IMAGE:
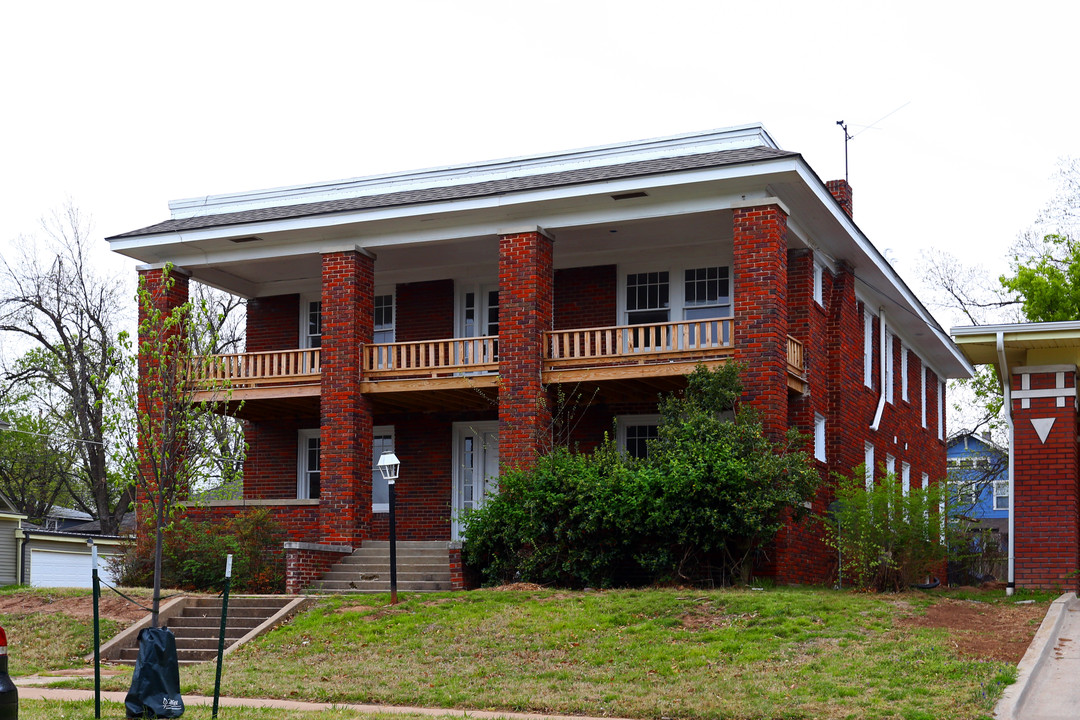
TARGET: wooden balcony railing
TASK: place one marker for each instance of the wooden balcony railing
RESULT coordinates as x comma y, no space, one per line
689,339
430,358
795,357
258,368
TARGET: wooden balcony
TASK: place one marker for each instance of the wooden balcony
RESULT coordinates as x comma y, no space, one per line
463,372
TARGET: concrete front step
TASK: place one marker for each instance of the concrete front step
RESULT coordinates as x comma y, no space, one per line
384,574
380,586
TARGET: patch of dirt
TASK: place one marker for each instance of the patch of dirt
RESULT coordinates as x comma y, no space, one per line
988,631
110,608
519,587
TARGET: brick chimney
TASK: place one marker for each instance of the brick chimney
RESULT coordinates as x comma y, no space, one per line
842,192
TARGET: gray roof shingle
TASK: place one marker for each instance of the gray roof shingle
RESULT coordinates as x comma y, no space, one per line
471,190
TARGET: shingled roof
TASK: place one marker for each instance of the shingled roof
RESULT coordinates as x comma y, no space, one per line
469,190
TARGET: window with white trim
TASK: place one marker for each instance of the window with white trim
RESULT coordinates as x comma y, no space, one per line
922,397
890,466
382,440
905,478
868,461
307,465
819,437
904,395
633,433
868,349
384,319
890,384
940,411
1001,494
311,323
925,481
819,285
648,298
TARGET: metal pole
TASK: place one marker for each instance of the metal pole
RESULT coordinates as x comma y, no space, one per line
97,628
221,637
393,547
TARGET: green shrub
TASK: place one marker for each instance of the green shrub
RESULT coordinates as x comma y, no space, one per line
193,558
886,540
711,492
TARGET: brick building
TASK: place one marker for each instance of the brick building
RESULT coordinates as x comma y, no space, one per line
1036,364
441,313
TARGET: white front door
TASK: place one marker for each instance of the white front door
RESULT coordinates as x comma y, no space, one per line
476,468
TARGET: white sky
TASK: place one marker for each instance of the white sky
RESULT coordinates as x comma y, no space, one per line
123,106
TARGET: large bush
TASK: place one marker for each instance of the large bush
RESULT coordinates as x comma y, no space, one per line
710,494
193,557
886,539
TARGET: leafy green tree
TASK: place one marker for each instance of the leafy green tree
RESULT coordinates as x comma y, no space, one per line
35,463
1048,284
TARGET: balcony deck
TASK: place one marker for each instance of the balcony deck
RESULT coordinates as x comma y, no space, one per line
462,373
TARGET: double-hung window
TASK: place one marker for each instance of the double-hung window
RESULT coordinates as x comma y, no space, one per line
648,298
633,433
307,466
311,324
384,319
690,294
1001,494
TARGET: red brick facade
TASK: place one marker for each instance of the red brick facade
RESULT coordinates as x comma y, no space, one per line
273,323
1045,477
525,313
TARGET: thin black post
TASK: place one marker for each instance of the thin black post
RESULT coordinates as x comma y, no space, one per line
97,628
393,547
221,636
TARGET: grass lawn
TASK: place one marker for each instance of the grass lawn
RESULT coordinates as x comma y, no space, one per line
679,653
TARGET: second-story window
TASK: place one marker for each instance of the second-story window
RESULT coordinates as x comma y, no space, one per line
384,319
648,298
311,324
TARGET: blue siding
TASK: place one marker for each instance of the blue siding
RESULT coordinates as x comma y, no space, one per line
975,447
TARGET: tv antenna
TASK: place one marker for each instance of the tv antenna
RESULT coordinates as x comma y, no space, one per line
847,138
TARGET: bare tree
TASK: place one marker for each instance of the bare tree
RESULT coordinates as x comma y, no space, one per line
70,314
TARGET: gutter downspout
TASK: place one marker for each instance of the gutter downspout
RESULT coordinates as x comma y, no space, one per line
1006,386
881,400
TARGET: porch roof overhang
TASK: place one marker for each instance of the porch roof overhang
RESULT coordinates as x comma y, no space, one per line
1025,344
270,242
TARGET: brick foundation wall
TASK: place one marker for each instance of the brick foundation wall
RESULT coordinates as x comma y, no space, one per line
348,317
586,297
425,311
273,323
525,312
271,464
304,566
1046,480
761,311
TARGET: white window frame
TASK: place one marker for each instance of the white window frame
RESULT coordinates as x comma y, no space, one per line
922,397
1001,492
376,474
677,287
303,489
481,290
868,460
904,394
819,284
890,380
622,422
905,478
890,465
925,480
819,437
305,311
940,410
868,349
392,327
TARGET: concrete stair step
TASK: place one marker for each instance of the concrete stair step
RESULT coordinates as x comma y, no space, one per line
382,586
411,544
214,622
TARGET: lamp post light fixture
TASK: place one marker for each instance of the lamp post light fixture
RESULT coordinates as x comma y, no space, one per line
390,467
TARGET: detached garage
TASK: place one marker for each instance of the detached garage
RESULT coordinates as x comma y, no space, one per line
57,559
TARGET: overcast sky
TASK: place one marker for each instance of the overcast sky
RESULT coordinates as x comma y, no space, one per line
122,107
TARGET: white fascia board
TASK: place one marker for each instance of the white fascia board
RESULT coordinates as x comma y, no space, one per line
914,304
130,246
1021,331
744,136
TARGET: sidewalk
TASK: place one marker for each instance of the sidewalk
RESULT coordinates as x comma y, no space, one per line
29,691
1046,686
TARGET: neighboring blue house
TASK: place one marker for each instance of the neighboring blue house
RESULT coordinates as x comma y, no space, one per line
979,479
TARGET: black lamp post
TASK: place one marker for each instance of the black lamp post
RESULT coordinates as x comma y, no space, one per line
390,467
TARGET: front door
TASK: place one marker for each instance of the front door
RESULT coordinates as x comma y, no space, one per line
476,468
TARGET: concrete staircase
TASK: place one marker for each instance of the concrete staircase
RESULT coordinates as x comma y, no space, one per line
422,567
198,623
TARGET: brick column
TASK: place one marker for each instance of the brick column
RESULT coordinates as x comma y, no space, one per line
166,299
843,443
1046,466
761,311
525,312
348,319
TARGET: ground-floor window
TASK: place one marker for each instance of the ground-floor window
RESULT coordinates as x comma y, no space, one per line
633,433
382,440
307,466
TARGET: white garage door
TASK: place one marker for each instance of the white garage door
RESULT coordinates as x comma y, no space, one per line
49,568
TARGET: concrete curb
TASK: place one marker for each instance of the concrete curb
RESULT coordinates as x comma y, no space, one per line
1016,695
39,693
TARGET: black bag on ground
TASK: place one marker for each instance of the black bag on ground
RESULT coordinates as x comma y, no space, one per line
155,685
